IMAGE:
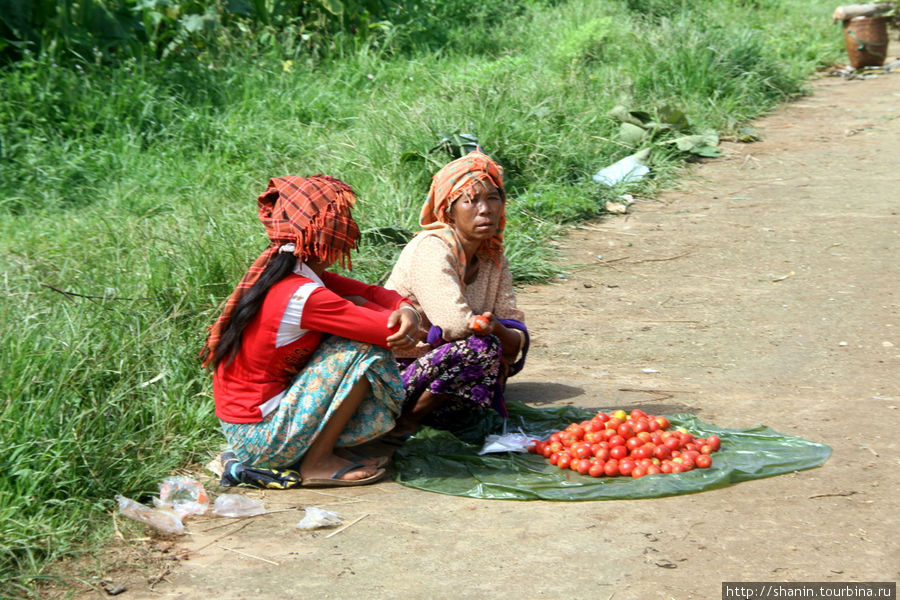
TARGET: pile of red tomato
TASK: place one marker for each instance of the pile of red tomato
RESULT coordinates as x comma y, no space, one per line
631,444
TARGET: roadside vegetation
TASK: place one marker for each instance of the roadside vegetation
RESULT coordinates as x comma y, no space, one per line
135,137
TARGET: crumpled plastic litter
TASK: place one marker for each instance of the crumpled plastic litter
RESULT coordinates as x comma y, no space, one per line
184,495
159,518
236,505
626,170
506,442
318,517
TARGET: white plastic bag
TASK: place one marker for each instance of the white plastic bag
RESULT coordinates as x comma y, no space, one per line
184,495
158,518
627,169
236,505
507,442
318,517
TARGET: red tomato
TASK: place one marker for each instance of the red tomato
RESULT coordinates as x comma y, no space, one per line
642,425
616,440
626,466
480,324
641,452
554,438
618,452
714,442
653,470
611,468
673,443
705,449
582,450
639,471
625,430
633,443
577,431
584,465
645,436
602,454
663,422
548,450
638,414
597,469
613,423
602,417
662,453
654,425
554,457
677,468
704,461
666,466
564,460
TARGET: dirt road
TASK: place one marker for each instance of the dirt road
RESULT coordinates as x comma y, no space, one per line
765,291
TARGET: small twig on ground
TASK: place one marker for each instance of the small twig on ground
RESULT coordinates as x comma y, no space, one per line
661,259
648,391
221,536
271,562
347,526
833,495
344,498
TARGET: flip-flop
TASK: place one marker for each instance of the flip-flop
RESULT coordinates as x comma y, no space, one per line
356,455
336,481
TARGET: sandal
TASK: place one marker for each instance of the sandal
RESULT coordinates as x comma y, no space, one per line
235,472
357,456
336,481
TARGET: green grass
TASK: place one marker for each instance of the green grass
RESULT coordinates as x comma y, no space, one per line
133,189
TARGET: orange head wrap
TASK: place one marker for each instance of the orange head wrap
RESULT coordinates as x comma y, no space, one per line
461,178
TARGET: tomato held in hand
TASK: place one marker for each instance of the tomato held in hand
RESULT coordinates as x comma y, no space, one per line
480,324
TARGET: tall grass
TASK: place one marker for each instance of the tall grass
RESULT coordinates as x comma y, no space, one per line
127,206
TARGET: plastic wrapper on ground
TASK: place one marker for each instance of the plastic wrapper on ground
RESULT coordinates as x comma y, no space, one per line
159,518
316,518
236,505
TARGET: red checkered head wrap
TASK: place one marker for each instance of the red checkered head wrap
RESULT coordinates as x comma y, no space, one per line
312,213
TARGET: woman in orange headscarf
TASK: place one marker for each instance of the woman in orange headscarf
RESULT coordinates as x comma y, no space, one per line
286,393
456,275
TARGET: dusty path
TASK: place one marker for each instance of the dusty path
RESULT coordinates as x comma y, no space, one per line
767,290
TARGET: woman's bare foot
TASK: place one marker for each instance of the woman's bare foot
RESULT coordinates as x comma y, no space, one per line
327,467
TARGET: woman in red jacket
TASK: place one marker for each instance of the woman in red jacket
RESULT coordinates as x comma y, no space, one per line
289,395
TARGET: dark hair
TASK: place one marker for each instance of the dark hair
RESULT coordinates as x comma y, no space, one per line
279,267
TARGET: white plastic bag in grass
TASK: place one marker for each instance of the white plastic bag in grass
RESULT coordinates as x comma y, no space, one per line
158,518
318,517
627,169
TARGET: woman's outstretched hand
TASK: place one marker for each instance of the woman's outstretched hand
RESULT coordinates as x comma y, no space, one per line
407,322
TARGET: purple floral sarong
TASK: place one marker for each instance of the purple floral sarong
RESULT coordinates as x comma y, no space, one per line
466,370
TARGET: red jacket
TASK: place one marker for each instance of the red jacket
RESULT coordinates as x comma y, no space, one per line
249,387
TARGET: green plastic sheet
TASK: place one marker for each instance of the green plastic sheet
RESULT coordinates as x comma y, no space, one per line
448,462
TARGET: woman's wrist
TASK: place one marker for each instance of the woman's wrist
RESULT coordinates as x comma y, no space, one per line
413,310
